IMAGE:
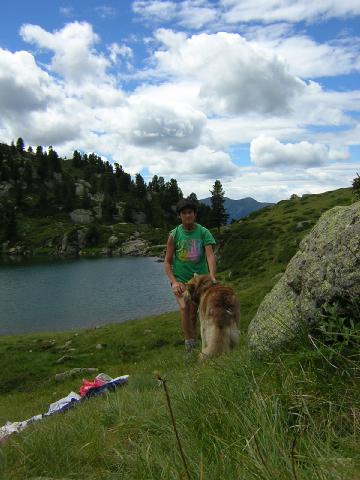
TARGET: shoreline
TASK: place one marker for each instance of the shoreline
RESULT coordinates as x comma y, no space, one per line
81,330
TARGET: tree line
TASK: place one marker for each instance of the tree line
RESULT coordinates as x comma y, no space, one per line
41,183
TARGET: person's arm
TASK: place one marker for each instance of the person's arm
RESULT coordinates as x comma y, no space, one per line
177,287
210,257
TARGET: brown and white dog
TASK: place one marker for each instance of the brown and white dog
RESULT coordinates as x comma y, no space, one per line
219,314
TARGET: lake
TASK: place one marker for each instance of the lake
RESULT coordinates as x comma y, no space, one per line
54,295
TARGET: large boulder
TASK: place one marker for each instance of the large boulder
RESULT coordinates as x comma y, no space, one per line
325,269
135,247
82,216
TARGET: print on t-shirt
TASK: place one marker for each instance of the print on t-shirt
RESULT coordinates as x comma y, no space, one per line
190,250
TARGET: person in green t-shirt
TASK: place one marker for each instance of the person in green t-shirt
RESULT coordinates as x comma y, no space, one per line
189,250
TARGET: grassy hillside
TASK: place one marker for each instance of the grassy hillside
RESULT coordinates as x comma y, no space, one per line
295,417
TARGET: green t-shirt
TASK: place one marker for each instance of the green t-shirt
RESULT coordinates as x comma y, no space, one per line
189,256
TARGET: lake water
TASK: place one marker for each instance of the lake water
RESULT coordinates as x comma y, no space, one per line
55,295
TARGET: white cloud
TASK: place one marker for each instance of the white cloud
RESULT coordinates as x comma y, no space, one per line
74,57
23,85
268,11
193,14
155,9
235,76
176,128
269,152
202,163
196,13
275,185
117,50
304,56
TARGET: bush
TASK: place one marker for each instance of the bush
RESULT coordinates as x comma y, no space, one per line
356,186
339,328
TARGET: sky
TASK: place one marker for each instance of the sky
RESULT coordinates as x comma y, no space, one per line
262,95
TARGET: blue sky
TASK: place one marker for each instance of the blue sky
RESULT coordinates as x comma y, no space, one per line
269,102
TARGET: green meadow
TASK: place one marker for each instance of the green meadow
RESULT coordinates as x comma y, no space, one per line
295,416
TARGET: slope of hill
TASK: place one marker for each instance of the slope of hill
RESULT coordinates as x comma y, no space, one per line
237,209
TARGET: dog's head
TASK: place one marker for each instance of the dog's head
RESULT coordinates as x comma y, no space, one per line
196,287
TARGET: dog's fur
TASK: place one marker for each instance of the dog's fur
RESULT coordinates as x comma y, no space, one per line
219,314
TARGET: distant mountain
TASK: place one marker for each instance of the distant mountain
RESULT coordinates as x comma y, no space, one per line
239,208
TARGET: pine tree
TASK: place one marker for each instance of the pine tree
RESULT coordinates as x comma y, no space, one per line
76,160
140,186
54,160
8,225
20,145
219,215
204,212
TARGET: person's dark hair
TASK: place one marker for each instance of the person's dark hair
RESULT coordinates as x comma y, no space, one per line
186,203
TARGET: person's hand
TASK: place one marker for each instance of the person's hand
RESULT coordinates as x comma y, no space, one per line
178,288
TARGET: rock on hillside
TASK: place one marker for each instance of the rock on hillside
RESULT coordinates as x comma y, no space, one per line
326,268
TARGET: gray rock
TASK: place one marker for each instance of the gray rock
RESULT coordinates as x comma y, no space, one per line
97,197
64,359
326,268
98,211
65,346
19,250
120,207
69,247
138,217
73,372
112,241
135,247
82,237
80,190
82,216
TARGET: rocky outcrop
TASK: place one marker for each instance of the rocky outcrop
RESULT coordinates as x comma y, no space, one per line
81,188
69,246
120,207
19,250
325,269
135,247
113,241
82,216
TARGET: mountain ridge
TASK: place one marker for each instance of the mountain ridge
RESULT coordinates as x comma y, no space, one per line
240,208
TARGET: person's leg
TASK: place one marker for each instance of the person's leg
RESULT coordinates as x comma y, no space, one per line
187,317
188,324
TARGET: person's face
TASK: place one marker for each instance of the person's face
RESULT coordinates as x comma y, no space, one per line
187,216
